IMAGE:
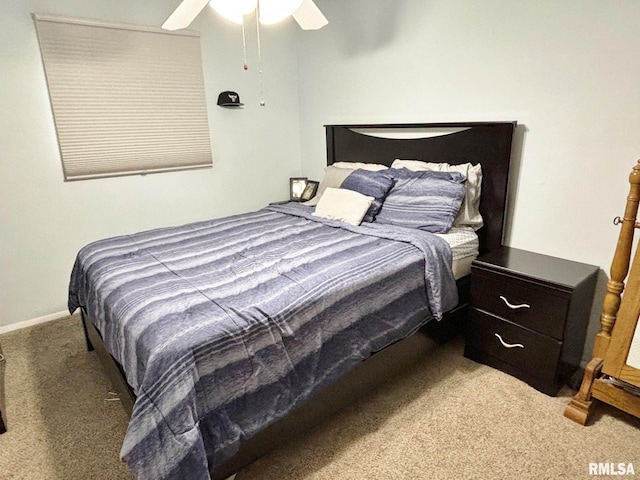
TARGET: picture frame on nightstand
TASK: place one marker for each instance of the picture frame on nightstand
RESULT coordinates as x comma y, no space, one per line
296,188
310,190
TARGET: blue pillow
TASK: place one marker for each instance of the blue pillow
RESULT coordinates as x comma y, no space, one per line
426,200
371,184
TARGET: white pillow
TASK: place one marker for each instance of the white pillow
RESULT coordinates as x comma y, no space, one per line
333,178
335,174
469,213
374,167
343,205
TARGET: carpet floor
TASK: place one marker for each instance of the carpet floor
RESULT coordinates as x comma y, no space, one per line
444,418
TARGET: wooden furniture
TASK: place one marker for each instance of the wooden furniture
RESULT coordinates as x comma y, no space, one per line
608,377
487,143
3,411
529,315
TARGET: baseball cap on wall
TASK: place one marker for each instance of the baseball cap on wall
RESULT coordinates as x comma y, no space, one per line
229,99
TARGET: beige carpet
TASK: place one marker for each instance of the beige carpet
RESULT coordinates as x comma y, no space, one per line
60,423
445,418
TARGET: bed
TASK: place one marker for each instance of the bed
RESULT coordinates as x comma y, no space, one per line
275,308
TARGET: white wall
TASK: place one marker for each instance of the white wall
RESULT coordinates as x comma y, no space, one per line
567,71
44,220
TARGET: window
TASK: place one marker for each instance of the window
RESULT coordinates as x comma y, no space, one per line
125,100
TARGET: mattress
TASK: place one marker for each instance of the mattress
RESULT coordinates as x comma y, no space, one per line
464,248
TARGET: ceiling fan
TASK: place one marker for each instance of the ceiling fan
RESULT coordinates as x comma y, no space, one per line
305,12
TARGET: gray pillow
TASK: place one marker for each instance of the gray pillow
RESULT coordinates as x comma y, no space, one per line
426,200
371,184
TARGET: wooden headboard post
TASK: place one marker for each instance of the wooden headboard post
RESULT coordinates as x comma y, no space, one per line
487,143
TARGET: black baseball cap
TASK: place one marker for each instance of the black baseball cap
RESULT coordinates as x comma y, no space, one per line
229,99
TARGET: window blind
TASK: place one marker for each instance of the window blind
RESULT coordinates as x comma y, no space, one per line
125,100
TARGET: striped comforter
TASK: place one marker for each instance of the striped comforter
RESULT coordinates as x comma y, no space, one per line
224,326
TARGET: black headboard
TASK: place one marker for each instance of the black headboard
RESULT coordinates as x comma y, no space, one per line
487,143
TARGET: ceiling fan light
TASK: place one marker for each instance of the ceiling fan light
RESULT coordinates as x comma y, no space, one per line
274,11
233,10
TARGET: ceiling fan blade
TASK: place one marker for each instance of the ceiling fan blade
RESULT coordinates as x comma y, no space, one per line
309,16
184,14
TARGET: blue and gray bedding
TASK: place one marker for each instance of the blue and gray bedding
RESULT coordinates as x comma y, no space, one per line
224,326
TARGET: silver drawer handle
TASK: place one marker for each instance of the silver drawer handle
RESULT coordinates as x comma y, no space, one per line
508,345
512,306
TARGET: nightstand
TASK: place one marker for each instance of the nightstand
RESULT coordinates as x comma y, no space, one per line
529,315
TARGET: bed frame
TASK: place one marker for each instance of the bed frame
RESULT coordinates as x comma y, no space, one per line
488,143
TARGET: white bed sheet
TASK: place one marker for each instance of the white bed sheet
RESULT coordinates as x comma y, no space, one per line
464,246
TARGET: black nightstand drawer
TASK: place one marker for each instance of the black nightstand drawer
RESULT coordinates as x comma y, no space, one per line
520,302
526,350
